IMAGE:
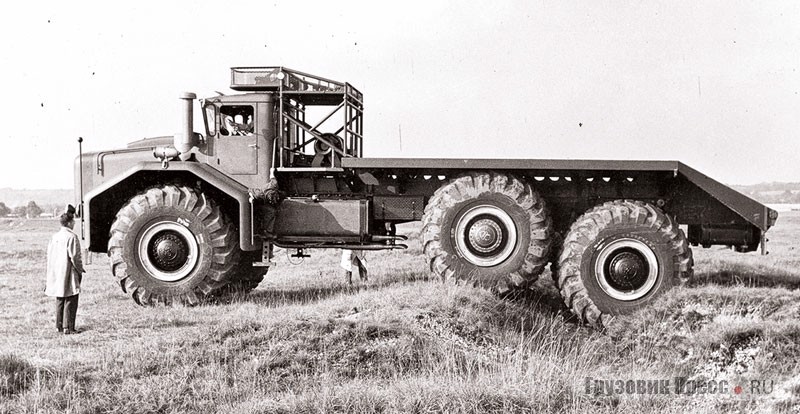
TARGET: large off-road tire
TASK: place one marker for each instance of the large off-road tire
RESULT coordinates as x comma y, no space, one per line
487,228
620,256
172,244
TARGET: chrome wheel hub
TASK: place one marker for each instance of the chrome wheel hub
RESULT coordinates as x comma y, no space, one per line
485,235
168,251
626,269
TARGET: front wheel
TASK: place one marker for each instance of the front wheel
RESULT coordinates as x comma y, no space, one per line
172,244
619,257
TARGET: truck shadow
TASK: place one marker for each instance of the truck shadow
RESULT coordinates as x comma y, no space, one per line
749,277
542,299
299,296
309,294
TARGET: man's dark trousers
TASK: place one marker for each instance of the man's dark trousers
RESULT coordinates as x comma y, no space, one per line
66,308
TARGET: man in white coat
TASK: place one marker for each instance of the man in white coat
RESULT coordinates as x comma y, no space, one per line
352,260
64,273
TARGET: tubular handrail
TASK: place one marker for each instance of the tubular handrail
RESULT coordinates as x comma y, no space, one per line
315,134
296,92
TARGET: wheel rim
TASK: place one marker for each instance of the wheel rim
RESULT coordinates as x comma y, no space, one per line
626,269
168,251
485,235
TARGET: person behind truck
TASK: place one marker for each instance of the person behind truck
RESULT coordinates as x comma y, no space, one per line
65,272
352,259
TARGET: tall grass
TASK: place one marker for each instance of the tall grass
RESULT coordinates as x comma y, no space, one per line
305,341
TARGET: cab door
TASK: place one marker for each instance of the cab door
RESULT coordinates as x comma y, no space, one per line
236,145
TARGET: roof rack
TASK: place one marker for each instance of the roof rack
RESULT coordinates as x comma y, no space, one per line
292,82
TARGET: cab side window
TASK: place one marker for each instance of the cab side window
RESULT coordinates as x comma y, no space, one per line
236,120
210,118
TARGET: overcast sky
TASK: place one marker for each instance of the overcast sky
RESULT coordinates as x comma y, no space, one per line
712,84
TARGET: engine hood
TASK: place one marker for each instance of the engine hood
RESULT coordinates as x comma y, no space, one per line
163,141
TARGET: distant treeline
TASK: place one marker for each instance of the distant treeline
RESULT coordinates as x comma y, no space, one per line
31,210
772,193
13,197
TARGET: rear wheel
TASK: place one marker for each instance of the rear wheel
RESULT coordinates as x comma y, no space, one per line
491,229
620,256
171,244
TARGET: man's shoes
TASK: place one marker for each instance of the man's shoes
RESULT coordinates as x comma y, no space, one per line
71,331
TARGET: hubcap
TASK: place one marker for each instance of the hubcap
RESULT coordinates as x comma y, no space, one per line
626,269
168,251
485,235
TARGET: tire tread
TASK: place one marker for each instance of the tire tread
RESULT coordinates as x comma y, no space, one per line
468,187
587,227
223,244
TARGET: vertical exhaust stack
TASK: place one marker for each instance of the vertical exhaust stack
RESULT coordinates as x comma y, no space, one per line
185,139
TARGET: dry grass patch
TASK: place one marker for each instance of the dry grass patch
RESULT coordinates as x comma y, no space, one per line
306,342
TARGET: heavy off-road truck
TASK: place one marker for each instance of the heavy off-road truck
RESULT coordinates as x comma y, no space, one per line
181,220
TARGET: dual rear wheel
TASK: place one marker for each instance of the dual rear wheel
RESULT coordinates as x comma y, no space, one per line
494,230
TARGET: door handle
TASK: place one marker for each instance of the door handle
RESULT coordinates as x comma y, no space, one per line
254,146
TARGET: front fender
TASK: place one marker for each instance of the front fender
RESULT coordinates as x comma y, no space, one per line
131,179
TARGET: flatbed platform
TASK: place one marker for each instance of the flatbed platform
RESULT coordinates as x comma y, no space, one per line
510,164
750,210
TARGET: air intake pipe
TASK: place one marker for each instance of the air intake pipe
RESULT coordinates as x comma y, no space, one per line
186,138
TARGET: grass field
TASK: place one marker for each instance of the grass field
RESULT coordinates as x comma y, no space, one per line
306,342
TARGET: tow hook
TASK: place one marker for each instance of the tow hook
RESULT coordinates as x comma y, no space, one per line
165,154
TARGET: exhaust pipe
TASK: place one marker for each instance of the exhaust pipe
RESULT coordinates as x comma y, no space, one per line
185,139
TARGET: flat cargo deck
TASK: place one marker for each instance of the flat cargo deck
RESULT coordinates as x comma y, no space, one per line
510,164
752,211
